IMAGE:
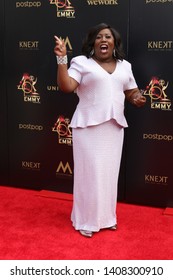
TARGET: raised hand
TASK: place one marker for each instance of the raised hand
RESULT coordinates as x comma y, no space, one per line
60,48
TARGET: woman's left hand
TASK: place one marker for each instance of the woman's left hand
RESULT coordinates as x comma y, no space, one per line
135,97
139,100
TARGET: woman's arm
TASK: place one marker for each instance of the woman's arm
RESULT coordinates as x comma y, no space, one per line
65,82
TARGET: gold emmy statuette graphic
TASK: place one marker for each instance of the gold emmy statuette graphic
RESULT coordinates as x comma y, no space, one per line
66,4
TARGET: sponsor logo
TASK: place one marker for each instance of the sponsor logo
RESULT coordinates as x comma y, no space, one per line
158,137
156,179
64,8
160,45
51,88
158,1
156,90
28,86
64,170
29,45
30,165
64,131
102,2
28,4
30,126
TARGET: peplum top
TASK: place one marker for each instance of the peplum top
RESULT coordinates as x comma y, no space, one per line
101,95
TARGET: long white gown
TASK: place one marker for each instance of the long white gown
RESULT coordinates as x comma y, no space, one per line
98,129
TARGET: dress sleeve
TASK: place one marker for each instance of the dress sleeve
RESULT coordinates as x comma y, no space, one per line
75,69
131,84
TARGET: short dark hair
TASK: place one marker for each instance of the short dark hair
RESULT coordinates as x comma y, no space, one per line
88,42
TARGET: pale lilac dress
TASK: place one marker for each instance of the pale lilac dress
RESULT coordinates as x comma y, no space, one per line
98,129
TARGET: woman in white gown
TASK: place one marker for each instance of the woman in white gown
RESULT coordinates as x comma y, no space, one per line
102,79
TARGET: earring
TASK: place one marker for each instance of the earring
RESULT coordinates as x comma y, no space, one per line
91,52
114,53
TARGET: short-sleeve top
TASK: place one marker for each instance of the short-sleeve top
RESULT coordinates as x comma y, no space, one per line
101,95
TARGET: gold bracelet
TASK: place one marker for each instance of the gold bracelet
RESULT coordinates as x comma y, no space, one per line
61,59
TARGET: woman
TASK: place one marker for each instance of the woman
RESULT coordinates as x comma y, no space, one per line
102,80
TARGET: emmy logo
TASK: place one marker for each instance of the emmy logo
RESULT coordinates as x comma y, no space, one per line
64,8
27,85
66,4
156,91
64,132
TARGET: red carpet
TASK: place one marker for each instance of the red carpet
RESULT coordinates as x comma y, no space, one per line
36,225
